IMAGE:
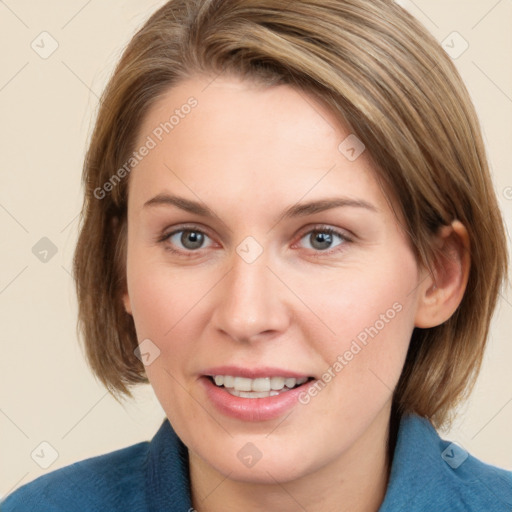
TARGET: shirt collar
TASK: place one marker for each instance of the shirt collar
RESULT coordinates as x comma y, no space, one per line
429,473
414,461
167,472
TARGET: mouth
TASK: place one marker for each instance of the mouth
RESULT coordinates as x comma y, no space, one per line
251,393
260,387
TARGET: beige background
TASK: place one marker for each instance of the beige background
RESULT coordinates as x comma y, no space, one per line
47,394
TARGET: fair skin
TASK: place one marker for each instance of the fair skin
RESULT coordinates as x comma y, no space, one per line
248,153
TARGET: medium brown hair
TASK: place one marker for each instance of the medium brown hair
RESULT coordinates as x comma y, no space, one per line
388,81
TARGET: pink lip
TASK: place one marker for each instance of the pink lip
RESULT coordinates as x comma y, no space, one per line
252,409
252,373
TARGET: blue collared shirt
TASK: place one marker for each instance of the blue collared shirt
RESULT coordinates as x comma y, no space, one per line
428,474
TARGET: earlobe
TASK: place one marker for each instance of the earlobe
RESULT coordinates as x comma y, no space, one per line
441,291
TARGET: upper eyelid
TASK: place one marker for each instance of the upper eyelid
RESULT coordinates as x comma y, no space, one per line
191,227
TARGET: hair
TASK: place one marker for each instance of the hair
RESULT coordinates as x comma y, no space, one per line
388,80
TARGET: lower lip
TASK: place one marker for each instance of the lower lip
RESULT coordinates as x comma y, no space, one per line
253,409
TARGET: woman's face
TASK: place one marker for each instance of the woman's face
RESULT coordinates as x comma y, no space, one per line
233,270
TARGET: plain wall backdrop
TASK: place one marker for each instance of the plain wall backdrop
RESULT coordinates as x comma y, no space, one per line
56,59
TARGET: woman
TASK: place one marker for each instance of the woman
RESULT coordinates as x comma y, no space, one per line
290,231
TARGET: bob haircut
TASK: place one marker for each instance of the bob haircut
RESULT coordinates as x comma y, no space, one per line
388,80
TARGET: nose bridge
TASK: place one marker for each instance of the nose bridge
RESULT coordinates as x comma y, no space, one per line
250,301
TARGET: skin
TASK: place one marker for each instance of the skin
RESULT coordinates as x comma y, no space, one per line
249,152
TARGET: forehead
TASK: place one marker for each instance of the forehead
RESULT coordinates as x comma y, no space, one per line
229,137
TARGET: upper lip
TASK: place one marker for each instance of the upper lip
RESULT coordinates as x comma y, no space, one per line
253,373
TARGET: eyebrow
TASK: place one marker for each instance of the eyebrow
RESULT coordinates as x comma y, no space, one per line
296,210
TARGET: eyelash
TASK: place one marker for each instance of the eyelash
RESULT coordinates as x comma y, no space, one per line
318,229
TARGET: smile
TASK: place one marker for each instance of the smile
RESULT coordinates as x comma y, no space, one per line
261,387
256,395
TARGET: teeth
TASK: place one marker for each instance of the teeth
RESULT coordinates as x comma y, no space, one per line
252,394
257,386
242,384
229,382
289,383
261,384
277,383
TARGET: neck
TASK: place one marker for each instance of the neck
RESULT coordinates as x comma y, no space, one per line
356,481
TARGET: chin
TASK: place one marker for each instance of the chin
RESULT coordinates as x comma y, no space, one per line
252,460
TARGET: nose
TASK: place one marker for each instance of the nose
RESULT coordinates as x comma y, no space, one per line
251,302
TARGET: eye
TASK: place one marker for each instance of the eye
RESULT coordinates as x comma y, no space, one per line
189,241
186,239
321,239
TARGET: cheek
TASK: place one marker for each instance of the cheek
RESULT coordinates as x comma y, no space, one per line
373,353
163,306
166,307
160,297
372,313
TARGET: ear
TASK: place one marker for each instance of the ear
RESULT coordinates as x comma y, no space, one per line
127,303
441,292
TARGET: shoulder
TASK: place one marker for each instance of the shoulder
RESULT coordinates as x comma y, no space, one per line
478,485
431,473
114,481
